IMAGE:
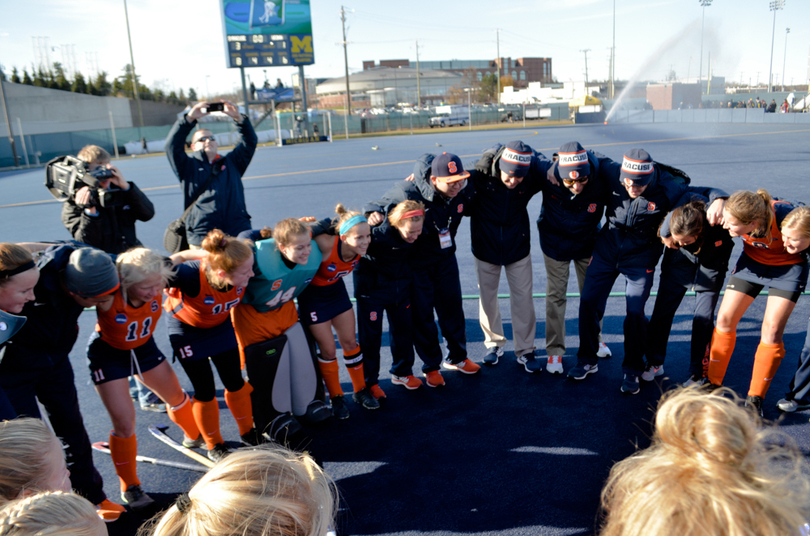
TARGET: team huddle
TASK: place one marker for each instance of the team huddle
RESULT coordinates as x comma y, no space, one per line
230,299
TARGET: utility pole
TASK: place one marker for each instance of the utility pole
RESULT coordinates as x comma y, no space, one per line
787,31
132,65
704,4
346,63
775,6
612,88
586,67
498,61
418,81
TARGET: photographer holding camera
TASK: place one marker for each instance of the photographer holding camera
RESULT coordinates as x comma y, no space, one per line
104,211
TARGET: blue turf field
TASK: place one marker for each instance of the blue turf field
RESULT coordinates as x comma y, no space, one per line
502,452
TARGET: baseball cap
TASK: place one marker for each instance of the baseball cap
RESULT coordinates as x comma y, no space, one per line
448,167
572,161
90,272
516,159
637,166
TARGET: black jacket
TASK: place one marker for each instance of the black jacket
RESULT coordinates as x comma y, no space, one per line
499,222
53,315
568,224
384,272
222,205
630,237
440,213
112,229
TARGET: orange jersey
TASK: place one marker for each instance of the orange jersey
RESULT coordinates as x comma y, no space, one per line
207,309
770,250
125,327
333,267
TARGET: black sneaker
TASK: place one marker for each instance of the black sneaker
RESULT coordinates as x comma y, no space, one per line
318,411
339,408
582,370
252,438
630,384
135,497
754,403
529,362
193,443
364,398
219,452
493,355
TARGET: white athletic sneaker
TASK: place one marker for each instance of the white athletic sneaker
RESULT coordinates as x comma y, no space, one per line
554,364
603,352
652,372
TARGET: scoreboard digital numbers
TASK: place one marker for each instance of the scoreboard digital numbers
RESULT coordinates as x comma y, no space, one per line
267,33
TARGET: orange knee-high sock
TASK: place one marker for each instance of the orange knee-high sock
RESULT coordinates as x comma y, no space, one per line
206,415
241,407
766,363
183,416
720,355
124,450
354,364
331,376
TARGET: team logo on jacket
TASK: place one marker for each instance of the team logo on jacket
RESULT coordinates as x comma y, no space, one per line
209,300
222,168
460,208
651,207
121,318
331,268
592,207
718,243
155,306
276,284
373,316
573,174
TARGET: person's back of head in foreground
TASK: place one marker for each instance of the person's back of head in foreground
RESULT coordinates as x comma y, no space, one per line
709,471
259,492
51,513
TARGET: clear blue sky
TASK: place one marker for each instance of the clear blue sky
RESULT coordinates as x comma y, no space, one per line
180,44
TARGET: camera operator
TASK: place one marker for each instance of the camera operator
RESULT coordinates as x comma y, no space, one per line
104,216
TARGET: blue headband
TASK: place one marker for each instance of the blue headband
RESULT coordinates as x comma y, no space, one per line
351,222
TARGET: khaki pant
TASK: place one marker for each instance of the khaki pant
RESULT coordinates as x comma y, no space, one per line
521,303
556,288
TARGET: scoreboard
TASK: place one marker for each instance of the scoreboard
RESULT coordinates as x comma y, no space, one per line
267,33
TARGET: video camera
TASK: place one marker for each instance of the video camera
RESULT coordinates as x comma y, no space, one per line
66,175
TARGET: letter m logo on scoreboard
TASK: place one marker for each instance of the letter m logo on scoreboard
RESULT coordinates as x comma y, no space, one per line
301,44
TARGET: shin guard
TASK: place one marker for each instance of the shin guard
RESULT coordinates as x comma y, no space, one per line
206,416
123,451
241,407
720,355
766,363
331,376
183,416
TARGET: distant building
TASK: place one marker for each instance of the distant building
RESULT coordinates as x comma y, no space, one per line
387,86
673,96
522,70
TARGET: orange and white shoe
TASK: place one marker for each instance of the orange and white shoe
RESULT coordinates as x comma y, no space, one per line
434,379
466,366
554,364
408,382
108,511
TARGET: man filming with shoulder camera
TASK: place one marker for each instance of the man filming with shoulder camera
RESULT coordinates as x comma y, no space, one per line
104,211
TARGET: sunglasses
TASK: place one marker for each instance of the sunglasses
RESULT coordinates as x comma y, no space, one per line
571,182
203,139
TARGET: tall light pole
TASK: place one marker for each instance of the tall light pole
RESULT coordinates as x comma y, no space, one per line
704,4
586,50
784,60
346,65
612,89
132,65
775,6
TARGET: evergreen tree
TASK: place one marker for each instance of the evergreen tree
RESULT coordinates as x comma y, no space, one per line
91,88
15,76
39,78
79,85
27,78
59,77
102,85
173,96
182,95
192,95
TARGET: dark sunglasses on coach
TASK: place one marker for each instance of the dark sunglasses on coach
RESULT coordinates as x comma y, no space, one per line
203,139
